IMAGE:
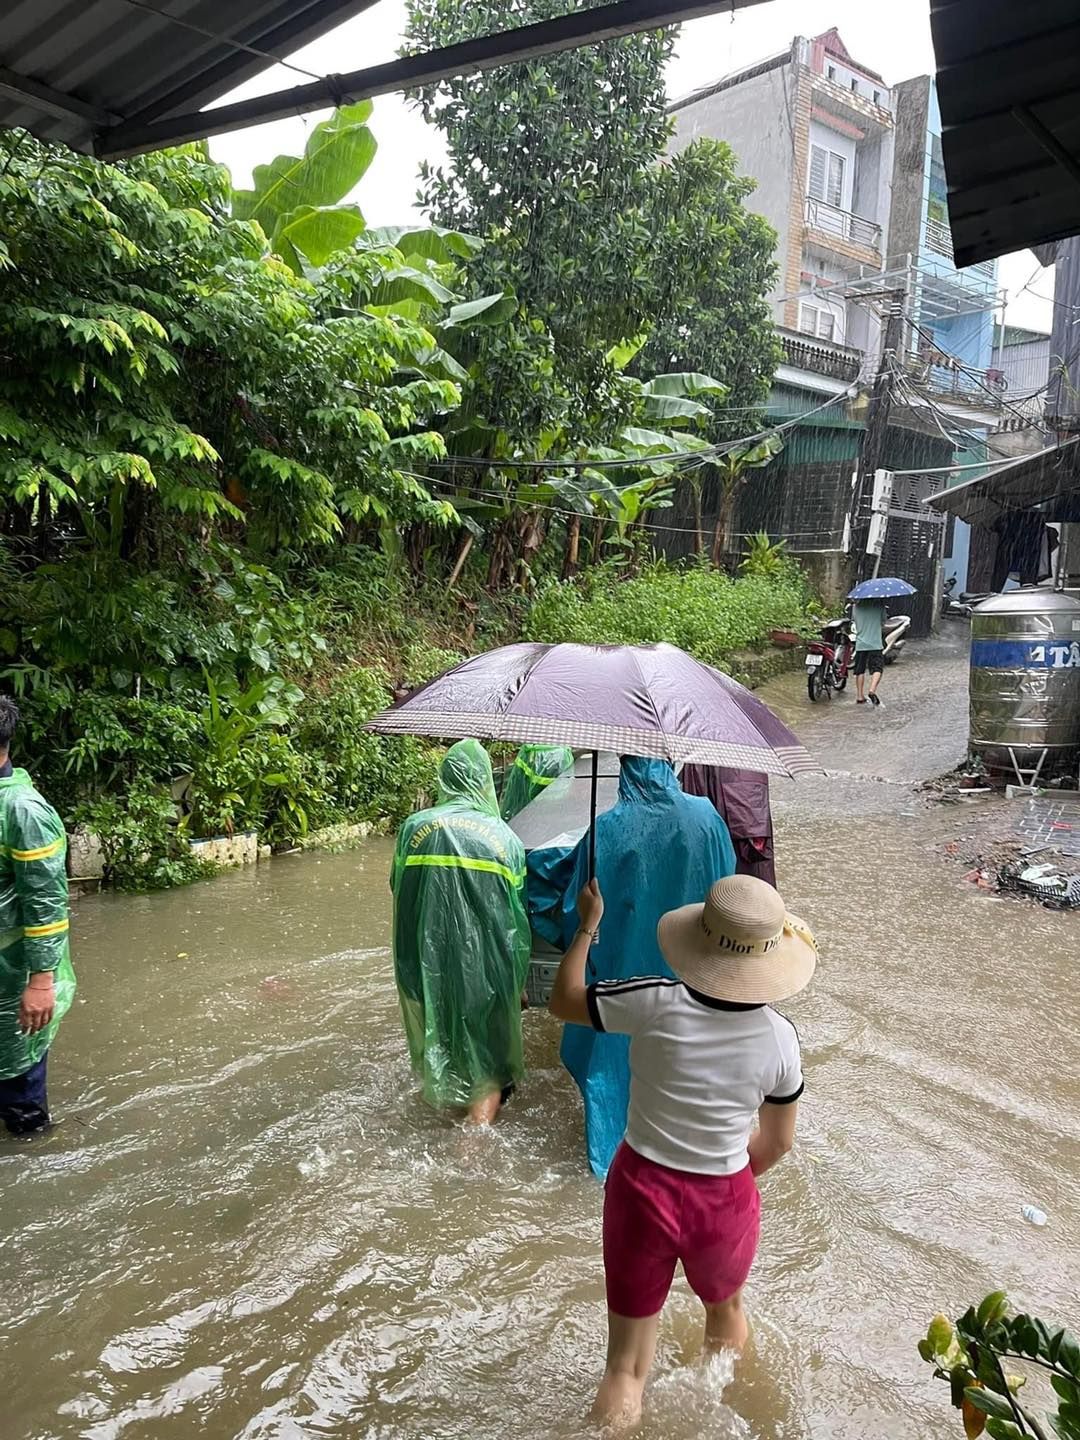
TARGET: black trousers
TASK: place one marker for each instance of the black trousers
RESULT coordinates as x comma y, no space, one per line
24,1107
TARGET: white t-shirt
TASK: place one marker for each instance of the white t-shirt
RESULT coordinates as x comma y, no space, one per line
699,1070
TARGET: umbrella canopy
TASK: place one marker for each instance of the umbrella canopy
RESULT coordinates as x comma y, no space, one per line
886,587
651,700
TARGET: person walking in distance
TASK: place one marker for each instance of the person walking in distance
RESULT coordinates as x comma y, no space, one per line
708,1054
869,617
37,983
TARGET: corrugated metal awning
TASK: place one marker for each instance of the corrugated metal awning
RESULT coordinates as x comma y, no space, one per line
114,77
1008,83
1048,481
72,68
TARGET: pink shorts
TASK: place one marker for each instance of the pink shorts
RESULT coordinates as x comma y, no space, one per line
655,1217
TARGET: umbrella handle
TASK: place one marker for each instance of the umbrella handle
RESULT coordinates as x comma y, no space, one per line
592,816
592,845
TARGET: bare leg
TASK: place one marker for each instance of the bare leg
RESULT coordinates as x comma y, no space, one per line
725,1325
875,681
860,681
483,1112
631,1346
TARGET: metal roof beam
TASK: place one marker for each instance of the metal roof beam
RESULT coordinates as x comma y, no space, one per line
47,101
468,57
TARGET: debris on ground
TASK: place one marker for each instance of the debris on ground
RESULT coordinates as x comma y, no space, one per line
1047,883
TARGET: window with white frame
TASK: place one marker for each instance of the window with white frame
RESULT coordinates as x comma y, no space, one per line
818,319
827,176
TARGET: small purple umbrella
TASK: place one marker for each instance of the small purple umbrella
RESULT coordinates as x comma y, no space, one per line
651,700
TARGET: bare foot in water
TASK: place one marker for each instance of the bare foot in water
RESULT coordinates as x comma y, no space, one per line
483,1112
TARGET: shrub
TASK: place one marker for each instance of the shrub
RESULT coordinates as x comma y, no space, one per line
366,776
143,845
701,610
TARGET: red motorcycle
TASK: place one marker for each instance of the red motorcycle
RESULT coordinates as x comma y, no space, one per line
829,660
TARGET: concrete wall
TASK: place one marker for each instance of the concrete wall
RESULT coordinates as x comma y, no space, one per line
753,117
909,167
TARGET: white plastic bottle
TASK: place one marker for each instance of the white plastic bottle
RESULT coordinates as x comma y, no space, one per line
1033,1215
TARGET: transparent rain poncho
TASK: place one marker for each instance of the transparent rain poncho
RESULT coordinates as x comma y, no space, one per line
33,917
533,770
461,936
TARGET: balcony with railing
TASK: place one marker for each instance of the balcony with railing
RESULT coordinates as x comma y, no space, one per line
937,239
830,222
822,357
938,376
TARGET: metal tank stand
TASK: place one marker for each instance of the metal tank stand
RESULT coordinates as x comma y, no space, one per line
1026,775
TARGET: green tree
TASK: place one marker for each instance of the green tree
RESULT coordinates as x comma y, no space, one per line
161,368
716,264
552,161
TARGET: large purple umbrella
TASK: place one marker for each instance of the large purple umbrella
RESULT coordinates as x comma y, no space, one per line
652,700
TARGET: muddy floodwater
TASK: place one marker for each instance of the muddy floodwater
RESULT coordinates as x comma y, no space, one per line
248,1225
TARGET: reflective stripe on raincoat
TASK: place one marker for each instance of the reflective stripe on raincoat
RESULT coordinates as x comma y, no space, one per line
533,770
33,917
461,935
656,849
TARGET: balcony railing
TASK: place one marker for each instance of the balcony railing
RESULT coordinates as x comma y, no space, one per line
806,352
830,220
984,389
938,239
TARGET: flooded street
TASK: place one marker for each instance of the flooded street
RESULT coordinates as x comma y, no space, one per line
248,1226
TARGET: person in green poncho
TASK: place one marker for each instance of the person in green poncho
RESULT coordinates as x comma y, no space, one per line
533,770
462,940
37,983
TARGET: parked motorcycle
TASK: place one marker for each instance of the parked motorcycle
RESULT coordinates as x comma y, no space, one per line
955,607
829,660
893,634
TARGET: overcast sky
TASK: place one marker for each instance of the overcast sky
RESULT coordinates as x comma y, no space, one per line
893,39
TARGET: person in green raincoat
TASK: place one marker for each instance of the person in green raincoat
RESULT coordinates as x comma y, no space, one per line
37,983
462,940
533,770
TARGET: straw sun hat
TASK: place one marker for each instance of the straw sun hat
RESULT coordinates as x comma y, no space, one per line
740,946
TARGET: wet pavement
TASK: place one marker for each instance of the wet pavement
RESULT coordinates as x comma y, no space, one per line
248,1226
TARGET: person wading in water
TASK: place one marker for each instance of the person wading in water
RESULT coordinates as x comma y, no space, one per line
462,940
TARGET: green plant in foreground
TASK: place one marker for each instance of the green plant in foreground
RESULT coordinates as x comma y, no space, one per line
978,1355
762,557
143,845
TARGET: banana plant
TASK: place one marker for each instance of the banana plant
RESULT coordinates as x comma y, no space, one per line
296,198
732,470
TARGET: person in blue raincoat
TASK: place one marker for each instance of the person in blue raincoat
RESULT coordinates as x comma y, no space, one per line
656,850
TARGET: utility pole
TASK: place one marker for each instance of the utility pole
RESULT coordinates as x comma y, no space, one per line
877,426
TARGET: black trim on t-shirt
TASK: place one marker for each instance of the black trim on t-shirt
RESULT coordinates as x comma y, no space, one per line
714,1004
634,982
621,987
594,1009
785,1099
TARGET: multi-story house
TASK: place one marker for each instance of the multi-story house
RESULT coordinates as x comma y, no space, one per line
849,173
815,128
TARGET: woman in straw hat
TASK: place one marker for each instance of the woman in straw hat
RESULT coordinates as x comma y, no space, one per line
708,1055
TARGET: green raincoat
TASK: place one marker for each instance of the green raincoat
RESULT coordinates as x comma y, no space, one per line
533,770
461,935
33,916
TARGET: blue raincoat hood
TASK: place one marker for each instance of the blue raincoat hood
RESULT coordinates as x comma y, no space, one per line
641,779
